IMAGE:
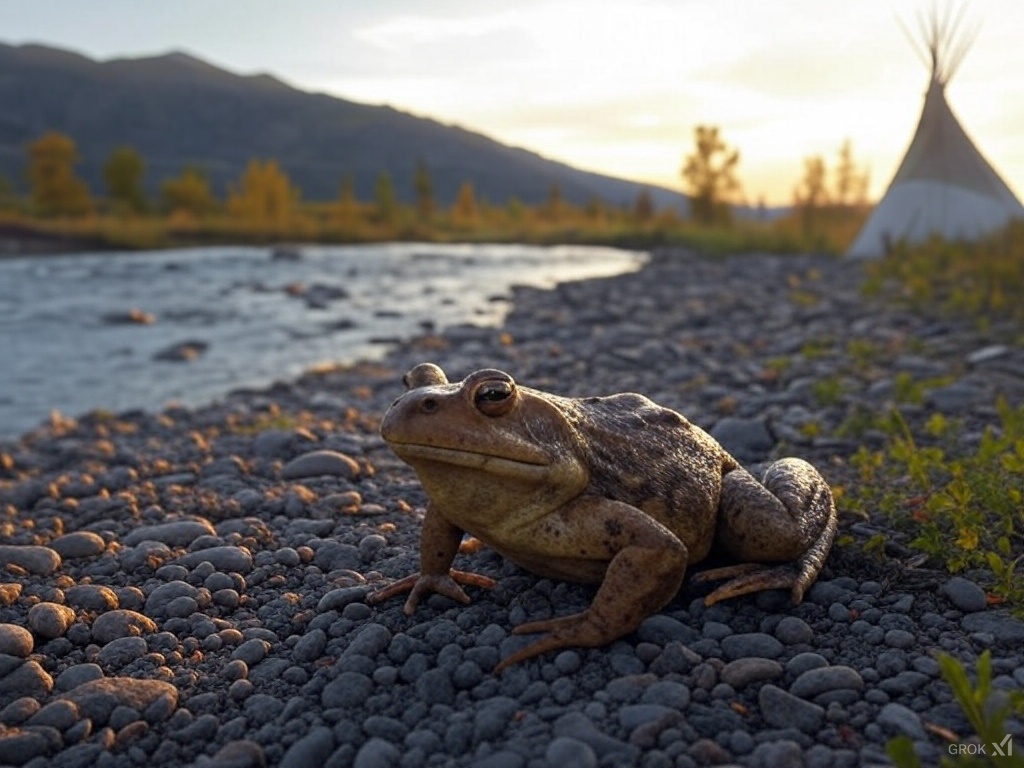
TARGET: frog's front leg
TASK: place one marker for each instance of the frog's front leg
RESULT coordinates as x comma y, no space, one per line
790,518
645,567
439,542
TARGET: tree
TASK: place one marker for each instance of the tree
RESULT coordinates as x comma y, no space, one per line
188,192
810,198
347,203
384,198
555,206
710,175
424,189
595,209
465,210
264,195
8,198
123,175
54,189
643,208
851,185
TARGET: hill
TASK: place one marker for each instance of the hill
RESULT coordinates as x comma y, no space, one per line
176,109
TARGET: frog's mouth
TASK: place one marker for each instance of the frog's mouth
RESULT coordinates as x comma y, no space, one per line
486,462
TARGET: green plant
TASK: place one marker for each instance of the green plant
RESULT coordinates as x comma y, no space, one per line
983,279
817,348
960,507
828,391
987,711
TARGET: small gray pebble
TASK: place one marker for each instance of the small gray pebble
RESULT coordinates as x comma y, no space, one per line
567,752
311,750
252,652
793,631
376,753
964,594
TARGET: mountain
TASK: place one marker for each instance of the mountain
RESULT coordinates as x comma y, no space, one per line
176,109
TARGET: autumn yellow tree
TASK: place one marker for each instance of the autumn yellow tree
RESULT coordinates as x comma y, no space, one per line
189,192
54,189
465,211
347,205
123,173
555,207
710,176
265,196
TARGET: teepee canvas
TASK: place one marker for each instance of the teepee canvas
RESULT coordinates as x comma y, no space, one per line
943,186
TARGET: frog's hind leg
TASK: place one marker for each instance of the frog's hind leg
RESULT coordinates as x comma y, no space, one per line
789,519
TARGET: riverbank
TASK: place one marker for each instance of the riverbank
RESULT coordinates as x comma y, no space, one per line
194,579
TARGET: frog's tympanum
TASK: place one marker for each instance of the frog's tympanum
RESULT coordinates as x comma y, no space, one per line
611,490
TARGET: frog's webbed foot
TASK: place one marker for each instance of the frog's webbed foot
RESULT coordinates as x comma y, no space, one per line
579,629
752,577
419,585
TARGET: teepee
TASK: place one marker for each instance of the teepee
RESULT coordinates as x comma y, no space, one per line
943,186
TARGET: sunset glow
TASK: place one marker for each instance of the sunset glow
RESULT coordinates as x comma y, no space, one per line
616,90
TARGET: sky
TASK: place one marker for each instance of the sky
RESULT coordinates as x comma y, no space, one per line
613,87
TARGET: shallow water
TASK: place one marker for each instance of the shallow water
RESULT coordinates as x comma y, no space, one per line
262,320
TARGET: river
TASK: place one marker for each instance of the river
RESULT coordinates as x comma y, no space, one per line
89,331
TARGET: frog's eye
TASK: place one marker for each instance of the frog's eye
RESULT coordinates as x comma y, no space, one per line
495,397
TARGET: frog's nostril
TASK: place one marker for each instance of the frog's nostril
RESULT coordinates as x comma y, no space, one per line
429,405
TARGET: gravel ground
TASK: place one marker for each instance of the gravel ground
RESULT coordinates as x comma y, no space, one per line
187,588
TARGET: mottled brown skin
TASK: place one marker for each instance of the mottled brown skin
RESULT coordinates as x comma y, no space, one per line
612,490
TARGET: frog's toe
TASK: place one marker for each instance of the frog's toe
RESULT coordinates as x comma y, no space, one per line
578,629
755,578
726,572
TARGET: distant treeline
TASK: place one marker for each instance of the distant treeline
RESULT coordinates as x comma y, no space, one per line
265,205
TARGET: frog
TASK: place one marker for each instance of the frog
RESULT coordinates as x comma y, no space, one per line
614,490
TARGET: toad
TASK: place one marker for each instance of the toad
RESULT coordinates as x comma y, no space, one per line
616,491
